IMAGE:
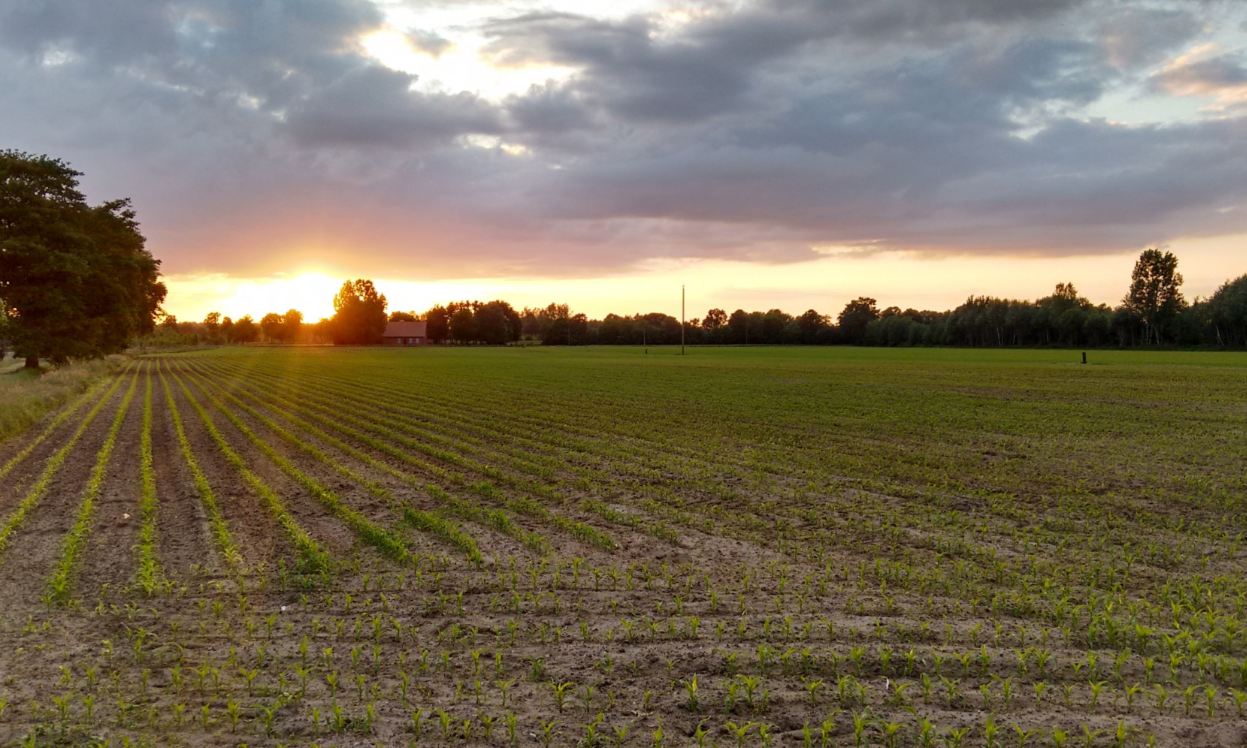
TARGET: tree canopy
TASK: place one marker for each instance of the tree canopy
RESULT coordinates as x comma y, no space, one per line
76,281
359,314
1154,296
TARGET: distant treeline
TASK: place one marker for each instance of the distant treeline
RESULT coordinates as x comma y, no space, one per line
1153,312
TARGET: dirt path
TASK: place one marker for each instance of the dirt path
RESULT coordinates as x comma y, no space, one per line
109,556
183,534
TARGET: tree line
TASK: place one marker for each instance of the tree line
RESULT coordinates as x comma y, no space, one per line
1153,312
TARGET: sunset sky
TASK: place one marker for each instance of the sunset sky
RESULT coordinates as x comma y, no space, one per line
764,153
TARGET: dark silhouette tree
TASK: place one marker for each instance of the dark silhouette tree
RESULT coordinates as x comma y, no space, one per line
212,324
292,325
812,324
403,317
273,326
244,330
75,281
714,319
497,322
1154,297
463,325
437,324
358,314
1227,313
854,318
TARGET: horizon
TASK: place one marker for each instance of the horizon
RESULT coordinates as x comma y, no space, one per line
764,155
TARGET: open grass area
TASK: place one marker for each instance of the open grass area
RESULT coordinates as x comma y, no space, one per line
26,395
540,547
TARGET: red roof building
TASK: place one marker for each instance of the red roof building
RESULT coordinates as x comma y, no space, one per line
405,333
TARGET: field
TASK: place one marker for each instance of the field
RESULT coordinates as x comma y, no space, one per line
742,548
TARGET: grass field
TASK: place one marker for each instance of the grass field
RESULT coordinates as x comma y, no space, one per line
743,548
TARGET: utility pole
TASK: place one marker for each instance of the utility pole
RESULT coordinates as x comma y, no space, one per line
681,320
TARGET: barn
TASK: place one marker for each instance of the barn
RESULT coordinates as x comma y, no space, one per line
404,333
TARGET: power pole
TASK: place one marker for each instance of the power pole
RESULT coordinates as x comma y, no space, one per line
681,320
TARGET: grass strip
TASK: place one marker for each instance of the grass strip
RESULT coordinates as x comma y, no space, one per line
150,578
369,532
220,528
36,493
56,423
311,557
61,583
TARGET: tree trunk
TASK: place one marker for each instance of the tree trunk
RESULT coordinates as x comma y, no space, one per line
32,362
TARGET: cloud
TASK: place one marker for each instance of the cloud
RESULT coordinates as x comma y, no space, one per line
258,136
375,106
429,42
1137,37
1222,77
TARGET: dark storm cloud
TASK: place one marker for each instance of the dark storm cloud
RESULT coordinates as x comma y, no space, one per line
254,129
375,106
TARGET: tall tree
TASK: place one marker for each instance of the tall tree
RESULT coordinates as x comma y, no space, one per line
463,324
245,330
437,324
854,318
292,325
1154,296
273,326
76,281
497,322
358,314
1227,313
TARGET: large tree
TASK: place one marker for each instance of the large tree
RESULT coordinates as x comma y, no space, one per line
358,314
76,280
292,325
273,327
854,318
1154,297
498,322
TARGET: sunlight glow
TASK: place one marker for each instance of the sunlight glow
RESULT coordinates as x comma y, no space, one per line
824,284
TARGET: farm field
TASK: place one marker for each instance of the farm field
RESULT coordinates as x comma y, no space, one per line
541,547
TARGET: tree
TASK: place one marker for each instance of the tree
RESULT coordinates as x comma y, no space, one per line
811,325
358,314
463,324
75,281
854,318
1227,313
1154,297
497,322
404,317
244,330
715,318
212,323
292,325
273,326
437,324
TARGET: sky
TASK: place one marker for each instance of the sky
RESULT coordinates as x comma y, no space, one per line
759,153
